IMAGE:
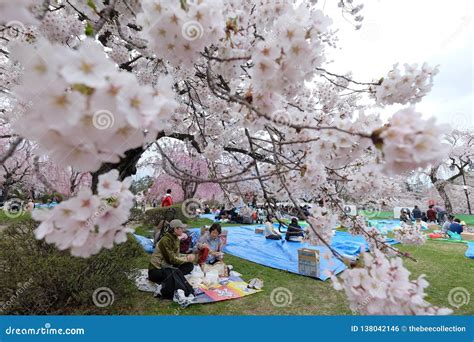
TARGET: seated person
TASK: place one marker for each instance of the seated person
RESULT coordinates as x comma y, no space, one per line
167,266
423,225
447,224
404,217
270,232
210,245
294,231
456,226
222,214
424,218
207,210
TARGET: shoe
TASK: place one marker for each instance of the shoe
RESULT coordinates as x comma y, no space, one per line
181,299
256,284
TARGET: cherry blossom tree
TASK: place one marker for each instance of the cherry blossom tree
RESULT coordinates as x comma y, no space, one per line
244,83
64,180
459,163
166,177
17,169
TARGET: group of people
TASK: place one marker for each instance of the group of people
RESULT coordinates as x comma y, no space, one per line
434,214
168,265
453,225
293,233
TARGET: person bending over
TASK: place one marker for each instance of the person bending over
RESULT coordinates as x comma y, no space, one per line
456,226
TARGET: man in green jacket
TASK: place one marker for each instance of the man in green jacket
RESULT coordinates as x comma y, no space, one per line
167,266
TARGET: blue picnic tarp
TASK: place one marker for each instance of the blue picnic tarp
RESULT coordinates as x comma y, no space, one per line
470,250
146,243
242,242
208,216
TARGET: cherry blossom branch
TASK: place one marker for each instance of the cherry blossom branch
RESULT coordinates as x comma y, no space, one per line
128,40
10,150
348,79
105,15
237,99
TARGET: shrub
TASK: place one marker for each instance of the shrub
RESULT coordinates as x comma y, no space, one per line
136,215
155,215
36,278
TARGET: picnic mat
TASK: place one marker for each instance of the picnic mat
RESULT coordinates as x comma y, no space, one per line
242,242
382,225
232,287
470,250
211,217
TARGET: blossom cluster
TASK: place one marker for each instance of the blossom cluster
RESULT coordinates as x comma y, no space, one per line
409,142
58,26
383,287
290,52
178,31
84,111
323,222
87,223
410,235
409,87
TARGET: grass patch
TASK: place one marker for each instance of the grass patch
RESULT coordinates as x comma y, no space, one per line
6,220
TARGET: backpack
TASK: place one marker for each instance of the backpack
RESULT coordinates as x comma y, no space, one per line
160,230
163,226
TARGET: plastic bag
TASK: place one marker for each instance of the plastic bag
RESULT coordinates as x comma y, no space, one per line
212,277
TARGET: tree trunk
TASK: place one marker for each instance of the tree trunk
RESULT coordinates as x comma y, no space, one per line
442,192
440,187
466,194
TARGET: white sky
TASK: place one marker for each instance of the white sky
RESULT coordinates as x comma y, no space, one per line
438,32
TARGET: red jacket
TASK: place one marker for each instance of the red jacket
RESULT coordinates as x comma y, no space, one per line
167,201
431,214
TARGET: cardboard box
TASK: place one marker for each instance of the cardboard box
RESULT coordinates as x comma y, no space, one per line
259,230
467,236
308,262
